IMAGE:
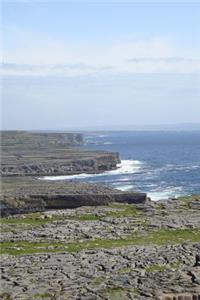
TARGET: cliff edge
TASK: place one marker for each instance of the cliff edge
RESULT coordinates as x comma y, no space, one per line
42,154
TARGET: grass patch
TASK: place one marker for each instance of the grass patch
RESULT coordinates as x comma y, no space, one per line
35,219
161,237
161,268
30,219
123,210
125,270
156,268
87,217
175,266
118,293
23,248
42,296
98,280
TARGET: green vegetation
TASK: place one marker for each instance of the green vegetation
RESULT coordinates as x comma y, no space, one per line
172,236
34,219
161,268
118,293
42,296
98,280
23,247
186,201
125,270
86,217
175,266
123,210
156,268
189,198
160,237
38,219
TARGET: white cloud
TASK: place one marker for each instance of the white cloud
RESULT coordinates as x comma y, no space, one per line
61,58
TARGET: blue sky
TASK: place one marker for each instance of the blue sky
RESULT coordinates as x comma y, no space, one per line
99,65
80,21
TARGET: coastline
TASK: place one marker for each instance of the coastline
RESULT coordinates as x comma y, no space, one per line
86,241
28,156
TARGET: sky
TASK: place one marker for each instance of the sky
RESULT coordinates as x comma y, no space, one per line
99,65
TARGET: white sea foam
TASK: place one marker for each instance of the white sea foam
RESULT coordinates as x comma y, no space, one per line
170,192
107,143
68,177
125,167
102,135
124,187
174,167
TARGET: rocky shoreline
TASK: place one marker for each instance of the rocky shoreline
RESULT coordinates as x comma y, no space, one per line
21,194
78,241
46,154
26,156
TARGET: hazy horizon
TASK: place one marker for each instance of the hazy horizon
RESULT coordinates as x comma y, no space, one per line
100,65
155,127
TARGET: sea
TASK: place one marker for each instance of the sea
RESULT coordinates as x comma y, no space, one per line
163,164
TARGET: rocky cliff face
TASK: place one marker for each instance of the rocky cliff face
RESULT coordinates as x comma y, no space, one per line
41,154
61,163
27,156
22,195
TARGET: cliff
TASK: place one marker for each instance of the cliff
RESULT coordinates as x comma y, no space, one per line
22,195
27,156
40,154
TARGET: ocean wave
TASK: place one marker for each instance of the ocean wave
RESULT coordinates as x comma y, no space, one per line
170,192
123,179
107,143
102,136
153,173
124,187
125,167
175,167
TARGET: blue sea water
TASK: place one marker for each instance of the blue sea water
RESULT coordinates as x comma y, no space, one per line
162,164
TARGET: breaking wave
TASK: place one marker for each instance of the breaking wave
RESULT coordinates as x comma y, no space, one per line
162,194
125,188
125,167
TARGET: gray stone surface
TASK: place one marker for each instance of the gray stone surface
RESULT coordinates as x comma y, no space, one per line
146,271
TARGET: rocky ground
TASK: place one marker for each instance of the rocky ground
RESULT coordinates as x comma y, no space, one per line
144,250
27,194
118,251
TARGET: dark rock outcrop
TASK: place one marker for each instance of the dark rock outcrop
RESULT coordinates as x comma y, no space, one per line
28,195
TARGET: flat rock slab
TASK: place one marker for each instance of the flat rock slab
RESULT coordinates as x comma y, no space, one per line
119,251
21,194
101,274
